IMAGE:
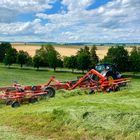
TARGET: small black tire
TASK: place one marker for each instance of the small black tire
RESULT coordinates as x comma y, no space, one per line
15,104
8,102
108,90
116,88
50,92
91,92
32,100
34,88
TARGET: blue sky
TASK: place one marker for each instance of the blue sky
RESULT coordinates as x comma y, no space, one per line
70,20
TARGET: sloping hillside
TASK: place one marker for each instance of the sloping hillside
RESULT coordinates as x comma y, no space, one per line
71,115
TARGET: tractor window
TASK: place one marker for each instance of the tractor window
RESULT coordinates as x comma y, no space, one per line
109,67
100,68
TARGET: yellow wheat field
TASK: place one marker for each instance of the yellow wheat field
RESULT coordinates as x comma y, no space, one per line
63,50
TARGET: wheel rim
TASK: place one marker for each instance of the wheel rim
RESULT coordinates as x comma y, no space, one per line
50,92
110,78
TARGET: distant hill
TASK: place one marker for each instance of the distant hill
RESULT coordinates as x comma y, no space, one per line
75,43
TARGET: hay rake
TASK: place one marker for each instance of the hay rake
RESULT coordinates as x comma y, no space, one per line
92,80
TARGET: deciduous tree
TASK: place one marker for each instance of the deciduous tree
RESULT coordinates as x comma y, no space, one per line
37,61
70,62
118,55
10,56
4,46
135,59
22,58
93,56
49,56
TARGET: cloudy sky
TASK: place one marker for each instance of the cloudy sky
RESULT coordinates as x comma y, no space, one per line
70,20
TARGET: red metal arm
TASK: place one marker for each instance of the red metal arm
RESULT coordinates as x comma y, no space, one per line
52,79
102,78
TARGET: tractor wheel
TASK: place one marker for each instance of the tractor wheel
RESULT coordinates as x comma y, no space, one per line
15,104
110,75
32,100
51,92
8,102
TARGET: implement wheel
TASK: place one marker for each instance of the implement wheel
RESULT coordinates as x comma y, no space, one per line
32,100
15,104
34,88
8,102
50,92
116,88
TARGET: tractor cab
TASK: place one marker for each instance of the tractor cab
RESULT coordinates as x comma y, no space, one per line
108,70
102,67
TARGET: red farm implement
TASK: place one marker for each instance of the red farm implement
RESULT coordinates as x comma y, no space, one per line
16,94
92,80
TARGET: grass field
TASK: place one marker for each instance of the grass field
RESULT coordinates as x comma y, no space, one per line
70,115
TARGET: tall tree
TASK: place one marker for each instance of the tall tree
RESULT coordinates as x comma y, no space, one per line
109,58
119,56
49,56
37,61
10,56
53,57
70,62
29,61
41,53
94,57
4,46
135,59
22,58
84,50
83,61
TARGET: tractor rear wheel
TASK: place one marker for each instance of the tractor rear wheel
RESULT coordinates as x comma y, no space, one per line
15,104
50,92
110,75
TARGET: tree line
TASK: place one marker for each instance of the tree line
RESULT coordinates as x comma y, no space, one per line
85,58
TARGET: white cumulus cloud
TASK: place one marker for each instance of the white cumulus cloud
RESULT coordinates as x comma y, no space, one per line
26,5
116,21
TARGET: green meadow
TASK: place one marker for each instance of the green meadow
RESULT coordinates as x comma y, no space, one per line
71,115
